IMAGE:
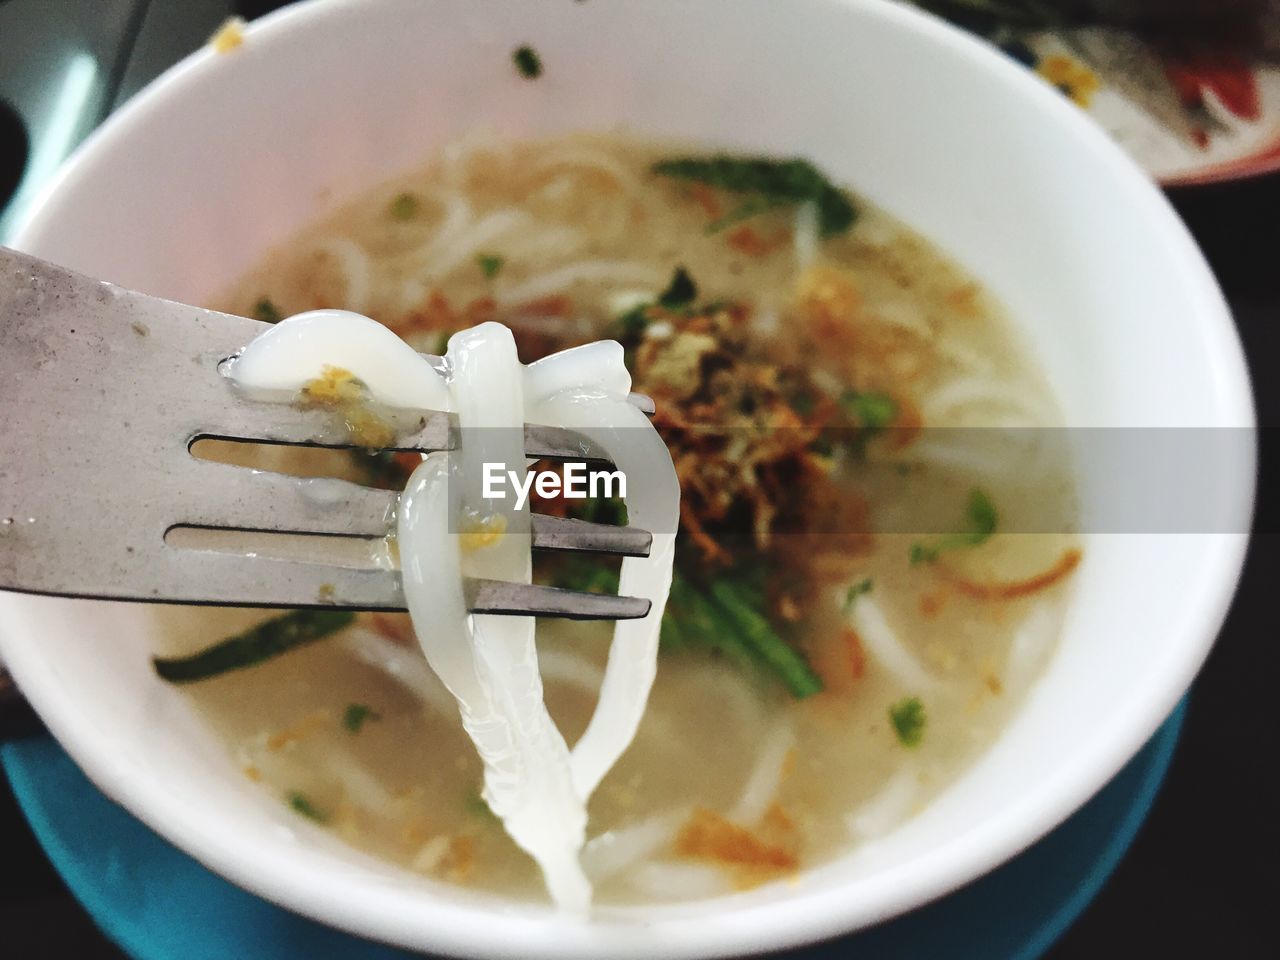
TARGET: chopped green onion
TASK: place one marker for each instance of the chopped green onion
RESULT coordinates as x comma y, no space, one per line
908,719
855,591
476,805
760,636
703,623
982,518
256,645
404,207
681,292
356,714
303,805
490,263
766,182
528,62
632,324
873,411
266,311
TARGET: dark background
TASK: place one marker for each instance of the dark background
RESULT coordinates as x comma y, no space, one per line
1201,878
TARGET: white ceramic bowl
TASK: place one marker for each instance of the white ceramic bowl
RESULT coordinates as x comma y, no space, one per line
186,186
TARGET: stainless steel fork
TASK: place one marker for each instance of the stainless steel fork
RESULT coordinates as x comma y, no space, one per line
103,392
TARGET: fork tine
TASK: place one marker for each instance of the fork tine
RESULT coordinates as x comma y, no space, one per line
643,402
230,579
223,496
240,418
234,580
532,599
284,424
238,498
561,533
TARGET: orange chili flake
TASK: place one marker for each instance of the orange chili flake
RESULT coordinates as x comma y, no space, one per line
857,655
705,197
1013,589
707,835
932,602
746,239
556,305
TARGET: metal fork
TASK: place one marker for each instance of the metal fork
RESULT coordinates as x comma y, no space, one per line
104,390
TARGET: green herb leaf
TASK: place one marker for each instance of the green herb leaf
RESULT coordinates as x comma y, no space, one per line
855,591
404,207
528,62
631,325
982,519
303,805
802,403
356,714
266,311
873,411
767,182
490,263
681,292
908,719
476,805
254,646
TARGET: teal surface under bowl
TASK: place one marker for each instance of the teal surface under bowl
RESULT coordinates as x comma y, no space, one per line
157,903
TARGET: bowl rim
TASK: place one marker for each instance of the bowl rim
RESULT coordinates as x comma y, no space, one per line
806,916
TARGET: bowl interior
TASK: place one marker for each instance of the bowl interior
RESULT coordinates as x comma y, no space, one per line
229,154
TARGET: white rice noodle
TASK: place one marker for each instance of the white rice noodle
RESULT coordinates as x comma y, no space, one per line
614,851
483,233
547,241
593,161
981,399
669,880
490,663
885,649
972,361
360,786
561,279
355,268
805,235
939,452
1031,647
457,216
457,155
903,316
585,389
765,779
887,809
430,854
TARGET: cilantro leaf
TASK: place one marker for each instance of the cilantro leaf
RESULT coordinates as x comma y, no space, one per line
403,207
302,804
982,519
490,263
873,411
766,182
908,719
527,62
681,292
266,311
354,717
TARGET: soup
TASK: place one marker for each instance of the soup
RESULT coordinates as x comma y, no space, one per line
865,584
